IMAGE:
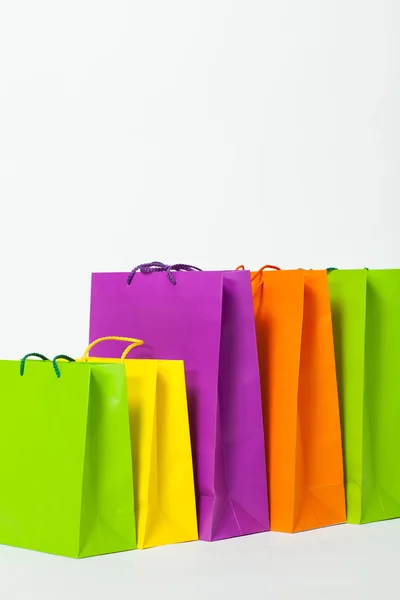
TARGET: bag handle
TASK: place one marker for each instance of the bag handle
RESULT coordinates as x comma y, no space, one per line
24,359
42,357
60,357
330,269
159,267
109,338
273,267
254,277
128,349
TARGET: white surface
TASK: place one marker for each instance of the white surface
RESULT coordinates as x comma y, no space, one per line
357,562
212,132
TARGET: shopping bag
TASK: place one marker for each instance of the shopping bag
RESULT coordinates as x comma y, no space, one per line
165,504
206,320
300,399
366,322
65,458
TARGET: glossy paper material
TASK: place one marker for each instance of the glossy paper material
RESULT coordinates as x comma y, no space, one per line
206,320
165,502
301,411
366,319
65,459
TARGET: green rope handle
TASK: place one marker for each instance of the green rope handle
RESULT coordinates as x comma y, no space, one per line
330,269
54,361
23,360
60,357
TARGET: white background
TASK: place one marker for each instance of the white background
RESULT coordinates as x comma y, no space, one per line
212,132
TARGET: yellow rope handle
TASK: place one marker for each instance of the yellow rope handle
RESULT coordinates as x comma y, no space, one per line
133,343
129,348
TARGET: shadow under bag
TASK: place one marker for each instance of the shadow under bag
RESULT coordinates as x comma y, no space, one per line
205,319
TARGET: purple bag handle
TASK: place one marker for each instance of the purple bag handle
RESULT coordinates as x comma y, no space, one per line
159,267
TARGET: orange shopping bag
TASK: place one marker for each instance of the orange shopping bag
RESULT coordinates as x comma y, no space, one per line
300,399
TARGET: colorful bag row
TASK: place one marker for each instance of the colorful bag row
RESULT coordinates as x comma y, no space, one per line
312,481
100,457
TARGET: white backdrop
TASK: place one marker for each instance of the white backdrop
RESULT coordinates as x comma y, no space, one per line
212,132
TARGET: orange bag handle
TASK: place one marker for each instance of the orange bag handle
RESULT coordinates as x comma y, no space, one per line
242,268
133,344
263,269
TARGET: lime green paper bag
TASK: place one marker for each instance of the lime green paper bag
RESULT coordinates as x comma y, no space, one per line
366,322
65,458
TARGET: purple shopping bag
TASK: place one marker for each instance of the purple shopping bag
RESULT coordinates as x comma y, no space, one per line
205,319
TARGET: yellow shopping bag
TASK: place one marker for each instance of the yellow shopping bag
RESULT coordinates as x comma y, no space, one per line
165,502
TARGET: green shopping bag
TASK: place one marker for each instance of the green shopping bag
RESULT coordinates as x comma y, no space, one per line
366,323
65,458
